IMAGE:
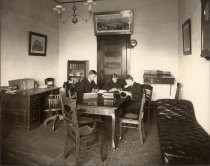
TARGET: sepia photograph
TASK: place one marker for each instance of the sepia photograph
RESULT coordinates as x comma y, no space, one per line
104,82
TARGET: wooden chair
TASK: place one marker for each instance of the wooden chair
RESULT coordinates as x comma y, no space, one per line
54,110
148,90
132,120
79,137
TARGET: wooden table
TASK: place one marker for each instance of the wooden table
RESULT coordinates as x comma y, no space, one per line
101,110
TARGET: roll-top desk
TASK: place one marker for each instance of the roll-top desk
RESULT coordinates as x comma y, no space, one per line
25,109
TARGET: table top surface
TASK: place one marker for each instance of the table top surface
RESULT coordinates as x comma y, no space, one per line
99,102
33,91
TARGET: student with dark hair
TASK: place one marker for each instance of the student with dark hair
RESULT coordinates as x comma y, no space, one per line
136,92
114,84
87,85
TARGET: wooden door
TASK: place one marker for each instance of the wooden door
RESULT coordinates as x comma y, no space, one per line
113,57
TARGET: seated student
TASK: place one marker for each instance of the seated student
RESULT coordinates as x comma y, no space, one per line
114,84
136,92
87,85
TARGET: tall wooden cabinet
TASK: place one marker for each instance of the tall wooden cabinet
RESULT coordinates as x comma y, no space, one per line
112,57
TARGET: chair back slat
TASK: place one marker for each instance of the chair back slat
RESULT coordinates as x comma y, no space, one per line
142,106
54,102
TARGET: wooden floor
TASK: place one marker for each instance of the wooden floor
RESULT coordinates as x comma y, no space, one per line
42,146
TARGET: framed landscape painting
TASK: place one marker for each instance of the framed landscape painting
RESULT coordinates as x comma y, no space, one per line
37,44
114,22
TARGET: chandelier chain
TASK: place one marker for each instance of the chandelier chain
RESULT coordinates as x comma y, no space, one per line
74,15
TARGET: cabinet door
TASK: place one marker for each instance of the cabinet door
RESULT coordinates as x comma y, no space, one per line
15,109
112,57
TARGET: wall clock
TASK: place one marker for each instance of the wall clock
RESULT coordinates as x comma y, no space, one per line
133,42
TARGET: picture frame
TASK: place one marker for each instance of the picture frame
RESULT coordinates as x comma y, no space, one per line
186,37
37,44
114,22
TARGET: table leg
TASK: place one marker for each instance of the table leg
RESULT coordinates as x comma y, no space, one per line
113,131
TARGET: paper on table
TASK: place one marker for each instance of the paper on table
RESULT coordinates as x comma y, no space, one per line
101,91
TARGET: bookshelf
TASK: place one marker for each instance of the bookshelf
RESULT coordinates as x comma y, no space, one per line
76,70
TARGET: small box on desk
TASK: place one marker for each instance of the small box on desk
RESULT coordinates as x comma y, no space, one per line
22,84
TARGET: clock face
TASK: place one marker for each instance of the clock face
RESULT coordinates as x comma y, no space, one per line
133,42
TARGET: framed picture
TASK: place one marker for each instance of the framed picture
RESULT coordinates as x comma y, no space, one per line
114,22
186,36
37,44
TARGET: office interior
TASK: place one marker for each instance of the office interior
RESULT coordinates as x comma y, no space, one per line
157,30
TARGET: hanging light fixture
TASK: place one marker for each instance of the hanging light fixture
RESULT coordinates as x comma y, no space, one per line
90,4
60,9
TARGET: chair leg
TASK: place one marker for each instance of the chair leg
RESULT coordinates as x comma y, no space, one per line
120,128
143,130
101,148
55,120
149,118
140,133
68,148
49,119
77,155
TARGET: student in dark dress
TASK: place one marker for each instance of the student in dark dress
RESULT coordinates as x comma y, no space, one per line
87,85
136,92
114,84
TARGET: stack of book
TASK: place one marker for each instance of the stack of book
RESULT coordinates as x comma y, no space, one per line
156,73
108,98
90,98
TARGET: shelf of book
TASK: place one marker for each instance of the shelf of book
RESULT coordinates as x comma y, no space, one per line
76,70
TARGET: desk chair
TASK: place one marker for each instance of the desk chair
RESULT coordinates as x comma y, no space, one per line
54,103
79,137
132,120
